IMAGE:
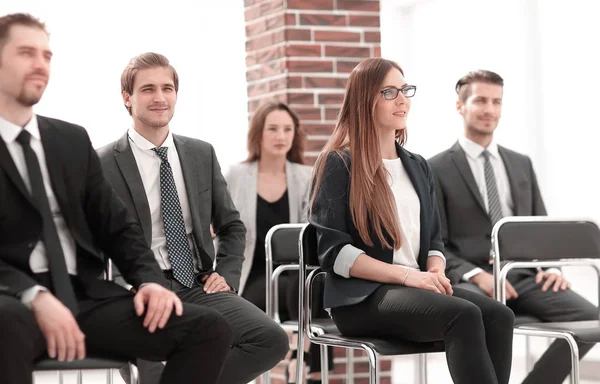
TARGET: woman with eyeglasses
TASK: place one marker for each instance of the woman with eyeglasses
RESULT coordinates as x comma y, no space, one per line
270,188
379,240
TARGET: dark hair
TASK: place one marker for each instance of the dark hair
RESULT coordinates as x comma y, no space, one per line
25,19
145,61
257,125
463,86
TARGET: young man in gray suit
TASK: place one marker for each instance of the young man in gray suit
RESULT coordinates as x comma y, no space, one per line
477,183
176,190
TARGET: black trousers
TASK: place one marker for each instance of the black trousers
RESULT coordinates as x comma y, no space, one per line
555,364
258,342
477,331
254,292
195,345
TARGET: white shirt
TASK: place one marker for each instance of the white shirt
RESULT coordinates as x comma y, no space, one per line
148,164
409,215
38,262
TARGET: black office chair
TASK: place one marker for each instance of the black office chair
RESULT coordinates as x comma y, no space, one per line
90,362
281,254
540,241
332,337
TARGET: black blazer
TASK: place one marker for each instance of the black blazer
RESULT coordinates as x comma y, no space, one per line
96,217
466,225
332,220
210,202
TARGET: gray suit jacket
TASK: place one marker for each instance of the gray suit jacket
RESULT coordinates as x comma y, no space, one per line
209,199
466,226
241,181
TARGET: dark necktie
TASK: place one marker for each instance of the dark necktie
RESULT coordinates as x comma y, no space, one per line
61,281
494,207
178,247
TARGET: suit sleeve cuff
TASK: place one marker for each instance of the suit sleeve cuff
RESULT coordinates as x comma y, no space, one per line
345,260
28,295
438,254
471,273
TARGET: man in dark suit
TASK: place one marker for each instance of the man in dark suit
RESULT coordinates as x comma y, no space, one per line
58,217
176,188
477,183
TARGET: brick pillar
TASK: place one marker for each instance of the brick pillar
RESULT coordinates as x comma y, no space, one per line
301,52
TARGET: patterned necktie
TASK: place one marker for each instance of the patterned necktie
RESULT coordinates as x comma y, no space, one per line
178,247
61,282
494,207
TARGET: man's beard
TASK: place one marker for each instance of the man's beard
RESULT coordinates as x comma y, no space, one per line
28,99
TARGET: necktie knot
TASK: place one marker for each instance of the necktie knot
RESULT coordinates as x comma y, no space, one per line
24,137
485,154
162,153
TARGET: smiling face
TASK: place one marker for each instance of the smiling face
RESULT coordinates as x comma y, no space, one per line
153,99
390,115
481,111
25,65
278,134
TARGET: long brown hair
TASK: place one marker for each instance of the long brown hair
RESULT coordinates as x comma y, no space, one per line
257,126
372,203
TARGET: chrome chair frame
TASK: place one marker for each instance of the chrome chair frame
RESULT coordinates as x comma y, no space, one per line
501,270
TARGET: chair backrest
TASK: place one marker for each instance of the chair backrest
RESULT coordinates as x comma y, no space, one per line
281,243
526,238
309,246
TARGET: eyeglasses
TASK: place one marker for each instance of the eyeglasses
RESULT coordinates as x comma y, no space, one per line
391,93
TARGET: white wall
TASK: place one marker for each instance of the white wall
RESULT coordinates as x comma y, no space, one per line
93,41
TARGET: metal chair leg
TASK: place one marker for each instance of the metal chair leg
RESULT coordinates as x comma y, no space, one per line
109,376
324,365
574,358
266,377
60,377
134,374
349,366
528,359
79,377
422,368
373,377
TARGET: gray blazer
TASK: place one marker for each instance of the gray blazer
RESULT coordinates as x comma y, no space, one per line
241,181
466,226
210,202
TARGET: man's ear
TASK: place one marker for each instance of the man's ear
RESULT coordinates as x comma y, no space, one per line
460,107
126,100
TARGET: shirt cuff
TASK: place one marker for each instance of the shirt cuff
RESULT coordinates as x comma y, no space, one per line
471,273
345,260
438,254
28,295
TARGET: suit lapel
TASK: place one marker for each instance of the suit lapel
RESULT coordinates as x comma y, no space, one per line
54,163
250,180
131,175
192,178
511,168
290,176
8,164
459,158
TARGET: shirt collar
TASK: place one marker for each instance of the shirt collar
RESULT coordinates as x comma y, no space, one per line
144,144
10,131
474,150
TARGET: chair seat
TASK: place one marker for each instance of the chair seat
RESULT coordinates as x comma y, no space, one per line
525,319
383,347
91,362
585,331
326,325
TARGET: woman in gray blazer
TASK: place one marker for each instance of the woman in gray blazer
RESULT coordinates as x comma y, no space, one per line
270,188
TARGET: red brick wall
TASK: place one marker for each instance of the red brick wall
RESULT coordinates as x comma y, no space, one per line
301,52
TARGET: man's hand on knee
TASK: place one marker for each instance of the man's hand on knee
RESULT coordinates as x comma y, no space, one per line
158,303
64,339
554,280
